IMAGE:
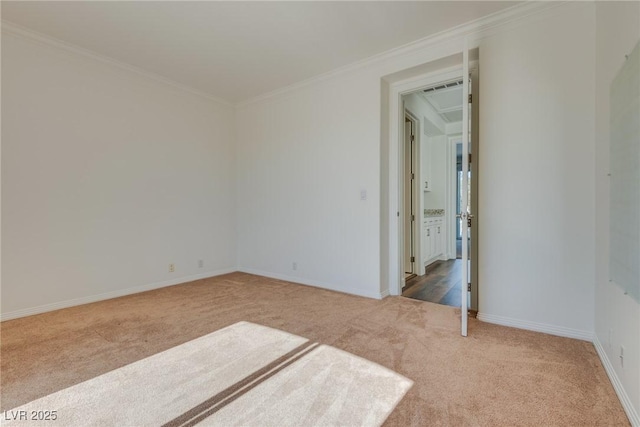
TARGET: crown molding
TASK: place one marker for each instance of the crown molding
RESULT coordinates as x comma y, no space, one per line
476,30
16,30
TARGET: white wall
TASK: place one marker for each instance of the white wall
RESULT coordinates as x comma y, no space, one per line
617,316
436,198
536,155
303,157
305,153
430,121
107,177
302,162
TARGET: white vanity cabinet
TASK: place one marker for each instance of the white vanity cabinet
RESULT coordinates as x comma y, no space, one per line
433,233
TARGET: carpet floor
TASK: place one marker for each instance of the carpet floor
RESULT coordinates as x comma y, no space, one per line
497,376
242,375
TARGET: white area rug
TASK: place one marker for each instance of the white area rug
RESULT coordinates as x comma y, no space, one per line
244,375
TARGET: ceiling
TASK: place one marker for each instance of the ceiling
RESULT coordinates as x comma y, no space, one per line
238,50
446,101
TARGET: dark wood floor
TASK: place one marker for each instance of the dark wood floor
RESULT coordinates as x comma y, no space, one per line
441,284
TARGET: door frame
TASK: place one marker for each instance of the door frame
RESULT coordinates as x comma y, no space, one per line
418,265
396,178
474,143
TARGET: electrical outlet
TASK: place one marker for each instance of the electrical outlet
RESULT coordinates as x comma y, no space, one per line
200,263
622,356
172,268
294,266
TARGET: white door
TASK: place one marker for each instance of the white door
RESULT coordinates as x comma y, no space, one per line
474,162
464,203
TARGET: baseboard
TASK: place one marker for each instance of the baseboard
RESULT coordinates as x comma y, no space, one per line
108,295
538,327
385,293
315,283
631,412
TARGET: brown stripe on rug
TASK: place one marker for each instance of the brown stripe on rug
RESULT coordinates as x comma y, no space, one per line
211,405
154,390
327,387
245,374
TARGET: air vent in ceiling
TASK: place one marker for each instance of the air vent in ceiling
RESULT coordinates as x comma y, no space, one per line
444,86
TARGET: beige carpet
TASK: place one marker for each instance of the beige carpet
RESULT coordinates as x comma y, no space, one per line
243,375
497,376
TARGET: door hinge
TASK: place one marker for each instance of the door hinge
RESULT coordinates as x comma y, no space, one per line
413,259
469,158
413,217
470,98
413,175
468,287
413,138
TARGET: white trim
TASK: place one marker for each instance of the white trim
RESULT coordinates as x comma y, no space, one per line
16,30
537,327
625,400
474,28
316,283
109,295
384,294
418,265
482,26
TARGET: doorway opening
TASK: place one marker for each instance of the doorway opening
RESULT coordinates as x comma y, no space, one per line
396,89
442,194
